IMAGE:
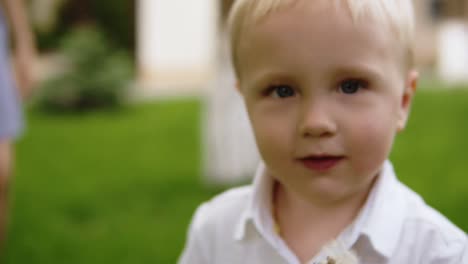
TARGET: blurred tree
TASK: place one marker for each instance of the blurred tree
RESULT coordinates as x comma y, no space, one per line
97,77
115,18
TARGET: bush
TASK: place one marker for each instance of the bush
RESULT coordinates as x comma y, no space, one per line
96,78
115,18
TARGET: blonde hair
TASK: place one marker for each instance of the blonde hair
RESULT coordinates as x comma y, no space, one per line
397,15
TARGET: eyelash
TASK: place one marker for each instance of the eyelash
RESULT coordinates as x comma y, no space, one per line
272,89
362,84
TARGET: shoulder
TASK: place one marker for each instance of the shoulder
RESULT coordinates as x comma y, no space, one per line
431,232
212,225
223,209
423,216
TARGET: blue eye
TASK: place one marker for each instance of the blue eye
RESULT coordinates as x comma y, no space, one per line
351,86
283,91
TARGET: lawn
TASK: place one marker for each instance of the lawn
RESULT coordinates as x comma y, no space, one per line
120,187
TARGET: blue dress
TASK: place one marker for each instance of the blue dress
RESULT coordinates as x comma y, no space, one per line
10,111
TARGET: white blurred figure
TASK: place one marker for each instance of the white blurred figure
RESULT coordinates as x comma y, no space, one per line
453,51
230,152
178,44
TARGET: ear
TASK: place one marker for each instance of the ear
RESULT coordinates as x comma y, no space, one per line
411,84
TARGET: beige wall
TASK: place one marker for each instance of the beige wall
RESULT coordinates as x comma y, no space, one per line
426,49
177,44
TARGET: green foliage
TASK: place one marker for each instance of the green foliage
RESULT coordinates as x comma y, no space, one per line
116,19
97,77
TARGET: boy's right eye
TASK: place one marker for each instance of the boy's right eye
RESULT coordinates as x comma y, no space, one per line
281,91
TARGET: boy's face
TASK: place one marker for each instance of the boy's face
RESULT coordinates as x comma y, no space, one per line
325,96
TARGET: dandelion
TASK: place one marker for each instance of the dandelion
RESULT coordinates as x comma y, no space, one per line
337,253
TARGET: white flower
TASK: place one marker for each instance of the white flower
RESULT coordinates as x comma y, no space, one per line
337,253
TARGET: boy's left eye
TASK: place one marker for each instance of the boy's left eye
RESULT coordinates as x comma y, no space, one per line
352,86
282,91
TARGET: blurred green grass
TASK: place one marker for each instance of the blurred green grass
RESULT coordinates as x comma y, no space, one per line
115,187
120,187
430,155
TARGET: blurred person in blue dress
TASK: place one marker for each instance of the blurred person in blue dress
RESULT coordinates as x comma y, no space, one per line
16,80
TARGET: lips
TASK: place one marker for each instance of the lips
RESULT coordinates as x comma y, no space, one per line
321,163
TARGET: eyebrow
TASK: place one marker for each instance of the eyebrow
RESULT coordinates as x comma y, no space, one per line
369,71
267,76
359,69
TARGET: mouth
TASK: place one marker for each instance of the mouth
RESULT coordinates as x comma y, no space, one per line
321,163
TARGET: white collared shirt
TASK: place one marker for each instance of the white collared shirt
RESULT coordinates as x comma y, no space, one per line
394,226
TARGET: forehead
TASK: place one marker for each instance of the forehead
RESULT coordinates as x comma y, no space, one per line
320,32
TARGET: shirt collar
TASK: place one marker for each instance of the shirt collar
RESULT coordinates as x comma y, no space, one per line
381,218
386,211
258,210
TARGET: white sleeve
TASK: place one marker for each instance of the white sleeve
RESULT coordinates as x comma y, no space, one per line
197,246
464,258
451,252
458,256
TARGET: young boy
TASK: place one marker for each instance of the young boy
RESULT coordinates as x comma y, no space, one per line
327,85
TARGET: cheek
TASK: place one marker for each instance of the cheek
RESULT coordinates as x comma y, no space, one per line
371,139
273,133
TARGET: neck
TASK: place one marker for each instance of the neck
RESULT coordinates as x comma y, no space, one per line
292,203
307,225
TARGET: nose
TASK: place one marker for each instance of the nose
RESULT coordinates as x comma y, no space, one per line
317,121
